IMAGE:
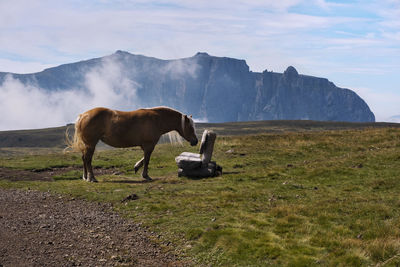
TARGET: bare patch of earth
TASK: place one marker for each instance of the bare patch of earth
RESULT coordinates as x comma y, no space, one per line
41,229
44,174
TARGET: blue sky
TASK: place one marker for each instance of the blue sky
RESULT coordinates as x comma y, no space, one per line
355,44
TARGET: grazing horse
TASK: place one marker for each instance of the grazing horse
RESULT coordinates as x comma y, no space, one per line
142,127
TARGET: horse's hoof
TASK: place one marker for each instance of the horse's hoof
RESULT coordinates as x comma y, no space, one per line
147,178
136,169
93,180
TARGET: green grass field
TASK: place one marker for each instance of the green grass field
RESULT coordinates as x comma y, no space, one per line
299,198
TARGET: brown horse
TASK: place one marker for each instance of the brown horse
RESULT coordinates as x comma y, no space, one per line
142,127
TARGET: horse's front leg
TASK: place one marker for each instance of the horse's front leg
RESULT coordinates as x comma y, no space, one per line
138,165
147,153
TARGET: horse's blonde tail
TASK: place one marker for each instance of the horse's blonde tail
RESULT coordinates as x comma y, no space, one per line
76,143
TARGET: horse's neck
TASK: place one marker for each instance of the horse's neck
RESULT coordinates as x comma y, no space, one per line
171,122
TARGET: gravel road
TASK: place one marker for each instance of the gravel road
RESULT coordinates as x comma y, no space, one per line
41,229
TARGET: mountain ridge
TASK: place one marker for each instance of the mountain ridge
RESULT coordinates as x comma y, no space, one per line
216,89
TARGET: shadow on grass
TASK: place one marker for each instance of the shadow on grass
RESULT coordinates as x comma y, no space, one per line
129,181
233,172
200,178
192,177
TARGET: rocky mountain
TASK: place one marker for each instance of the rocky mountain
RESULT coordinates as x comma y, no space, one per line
215,89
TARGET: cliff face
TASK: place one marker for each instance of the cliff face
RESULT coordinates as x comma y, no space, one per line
293,96
217,89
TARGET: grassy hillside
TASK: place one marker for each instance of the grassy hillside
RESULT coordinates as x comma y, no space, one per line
281,126
299,198
55,137
49,137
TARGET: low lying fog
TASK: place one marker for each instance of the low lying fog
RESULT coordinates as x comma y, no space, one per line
28,106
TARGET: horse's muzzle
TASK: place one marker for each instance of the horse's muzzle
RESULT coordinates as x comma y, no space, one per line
194,142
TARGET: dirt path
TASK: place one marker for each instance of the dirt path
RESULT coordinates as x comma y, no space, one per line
44,174
40,229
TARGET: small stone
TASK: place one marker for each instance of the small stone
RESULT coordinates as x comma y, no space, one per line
114,257
130,197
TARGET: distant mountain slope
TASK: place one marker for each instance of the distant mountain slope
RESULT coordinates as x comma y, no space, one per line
55,137
214,89
395,118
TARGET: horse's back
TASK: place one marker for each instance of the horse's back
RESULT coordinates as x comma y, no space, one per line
94,117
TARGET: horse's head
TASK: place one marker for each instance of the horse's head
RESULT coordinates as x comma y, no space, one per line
188,131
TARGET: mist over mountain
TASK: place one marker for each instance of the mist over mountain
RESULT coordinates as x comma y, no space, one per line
213,89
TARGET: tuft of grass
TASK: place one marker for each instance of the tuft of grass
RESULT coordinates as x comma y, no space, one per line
288,198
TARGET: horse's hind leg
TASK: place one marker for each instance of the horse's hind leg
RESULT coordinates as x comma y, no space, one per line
138,165
147,153
84,177
88,159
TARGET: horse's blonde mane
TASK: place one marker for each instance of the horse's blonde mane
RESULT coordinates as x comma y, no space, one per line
190,119
174,137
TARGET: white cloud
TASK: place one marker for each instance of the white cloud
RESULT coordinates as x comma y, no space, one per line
28,106
108,85
329,5
179,68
